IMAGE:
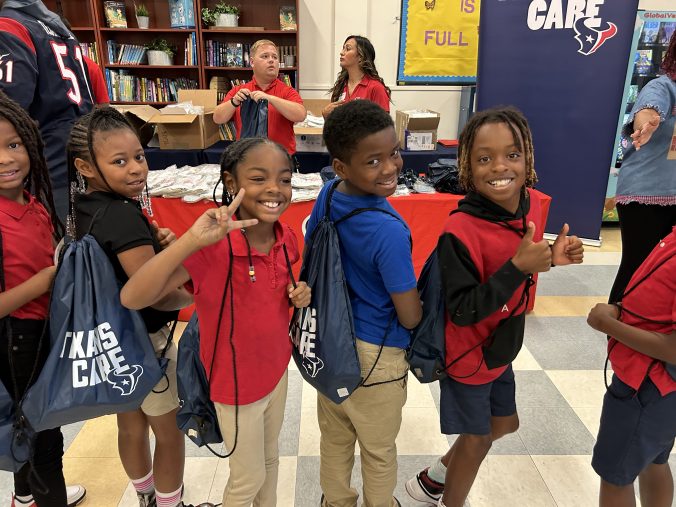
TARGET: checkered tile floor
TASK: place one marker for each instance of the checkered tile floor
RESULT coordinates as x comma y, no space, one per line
546,463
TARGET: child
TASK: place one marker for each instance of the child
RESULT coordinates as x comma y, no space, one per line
638,424
244,333
28,227
106,153
488,252
376,255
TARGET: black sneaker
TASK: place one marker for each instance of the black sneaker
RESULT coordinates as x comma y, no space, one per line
146,499
423,489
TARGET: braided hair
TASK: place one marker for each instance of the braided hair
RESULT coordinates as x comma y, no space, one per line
37,181
81,144
517,124
669,63
367,56
234,154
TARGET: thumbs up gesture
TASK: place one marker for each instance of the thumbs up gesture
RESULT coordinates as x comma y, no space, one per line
532,257
567,249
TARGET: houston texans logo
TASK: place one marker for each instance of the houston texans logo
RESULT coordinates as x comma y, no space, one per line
591,38
127,380
312,365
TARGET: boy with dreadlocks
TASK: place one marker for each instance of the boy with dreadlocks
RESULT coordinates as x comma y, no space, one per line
28,229
488,252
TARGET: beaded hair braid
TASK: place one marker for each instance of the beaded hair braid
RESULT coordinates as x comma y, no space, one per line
517,124
669,63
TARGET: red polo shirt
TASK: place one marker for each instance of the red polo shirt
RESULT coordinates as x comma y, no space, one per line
370,89
27,248
97,81
279,128
261,316
655,299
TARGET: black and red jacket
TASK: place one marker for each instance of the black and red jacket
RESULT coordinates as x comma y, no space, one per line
485,293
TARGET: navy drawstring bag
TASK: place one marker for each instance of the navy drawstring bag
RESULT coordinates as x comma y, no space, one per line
101,359
254,116
427,353
196,415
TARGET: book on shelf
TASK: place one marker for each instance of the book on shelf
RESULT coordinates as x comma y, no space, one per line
125,54
124,87
182,13
287,18
234,54
667,29
190,54
649,34
116,16
633,93
228,131
89,50
643,61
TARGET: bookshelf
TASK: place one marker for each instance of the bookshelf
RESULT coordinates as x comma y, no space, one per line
131,80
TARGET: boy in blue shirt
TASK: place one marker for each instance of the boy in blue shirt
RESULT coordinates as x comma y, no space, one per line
376,253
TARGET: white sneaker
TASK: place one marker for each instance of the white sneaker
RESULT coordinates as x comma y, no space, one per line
424,490
75,494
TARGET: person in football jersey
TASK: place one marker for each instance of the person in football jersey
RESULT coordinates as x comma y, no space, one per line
43,69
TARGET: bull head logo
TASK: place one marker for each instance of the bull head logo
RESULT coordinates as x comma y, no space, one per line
125,380
591,38
312,365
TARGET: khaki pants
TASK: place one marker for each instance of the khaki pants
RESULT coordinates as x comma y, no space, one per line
164,396
254,464
372,417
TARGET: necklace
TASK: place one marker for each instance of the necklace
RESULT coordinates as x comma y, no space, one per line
252,271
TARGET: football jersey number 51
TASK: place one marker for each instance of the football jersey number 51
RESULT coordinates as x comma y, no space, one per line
61,51
6,70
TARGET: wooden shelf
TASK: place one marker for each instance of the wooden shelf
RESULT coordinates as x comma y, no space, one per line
121,103
233,30
149,30
143,66
82,28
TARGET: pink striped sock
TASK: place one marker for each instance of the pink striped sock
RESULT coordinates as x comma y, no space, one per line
169,499
145,484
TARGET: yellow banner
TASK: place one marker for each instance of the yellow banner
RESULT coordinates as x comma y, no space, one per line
439,41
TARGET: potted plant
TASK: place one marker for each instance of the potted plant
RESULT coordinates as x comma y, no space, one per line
142,15
160,52
221,15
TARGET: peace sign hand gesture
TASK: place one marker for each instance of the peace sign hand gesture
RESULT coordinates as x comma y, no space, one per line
216,223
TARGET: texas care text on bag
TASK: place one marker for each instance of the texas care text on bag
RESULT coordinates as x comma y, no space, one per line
101,359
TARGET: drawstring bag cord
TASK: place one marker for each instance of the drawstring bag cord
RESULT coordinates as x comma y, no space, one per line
621,309
382,345
21,425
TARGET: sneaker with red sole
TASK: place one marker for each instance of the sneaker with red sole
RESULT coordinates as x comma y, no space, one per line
423,489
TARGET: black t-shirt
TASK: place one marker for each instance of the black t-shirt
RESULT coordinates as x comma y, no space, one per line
120,226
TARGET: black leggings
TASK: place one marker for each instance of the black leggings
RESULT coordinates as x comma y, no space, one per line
642,226
48,445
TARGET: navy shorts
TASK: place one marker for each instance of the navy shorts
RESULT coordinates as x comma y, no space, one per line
637,429
466,408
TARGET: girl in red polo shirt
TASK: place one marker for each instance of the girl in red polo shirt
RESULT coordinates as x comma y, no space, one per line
28,227
638,420
245,333
358,78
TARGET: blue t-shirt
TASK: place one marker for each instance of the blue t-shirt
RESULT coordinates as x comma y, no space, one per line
648,172
376,252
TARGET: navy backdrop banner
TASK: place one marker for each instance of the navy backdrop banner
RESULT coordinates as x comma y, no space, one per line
563,63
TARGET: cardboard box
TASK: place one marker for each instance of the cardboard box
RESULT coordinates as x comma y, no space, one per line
188,131
310,138
417,129
139,116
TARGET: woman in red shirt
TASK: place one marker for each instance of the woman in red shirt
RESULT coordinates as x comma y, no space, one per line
358,78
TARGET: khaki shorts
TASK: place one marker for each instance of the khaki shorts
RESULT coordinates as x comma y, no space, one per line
164,396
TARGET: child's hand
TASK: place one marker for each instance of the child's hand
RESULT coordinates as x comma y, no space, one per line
645,131
601,314
300,296
216,223
164,236
567,249
532,257
45,277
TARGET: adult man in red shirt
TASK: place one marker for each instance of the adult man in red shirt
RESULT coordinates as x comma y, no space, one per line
285,107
